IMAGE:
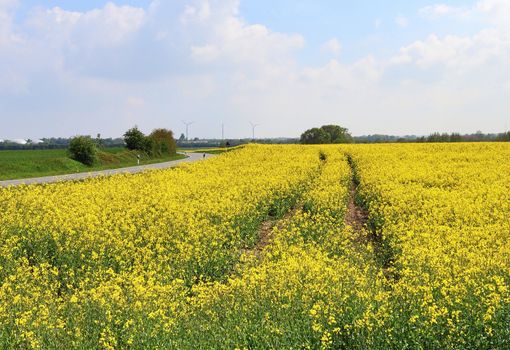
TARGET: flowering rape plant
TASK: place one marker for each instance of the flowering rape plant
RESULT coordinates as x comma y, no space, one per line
256,248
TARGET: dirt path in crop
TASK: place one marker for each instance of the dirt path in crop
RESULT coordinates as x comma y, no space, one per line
356,215
267,228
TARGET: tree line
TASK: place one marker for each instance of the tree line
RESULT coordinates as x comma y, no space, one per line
435,137
159,143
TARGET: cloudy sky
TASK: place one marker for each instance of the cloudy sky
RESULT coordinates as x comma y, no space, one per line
375,66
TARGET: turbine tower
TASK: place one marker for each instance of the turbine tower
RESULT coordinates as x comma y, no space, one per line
187,127
253,126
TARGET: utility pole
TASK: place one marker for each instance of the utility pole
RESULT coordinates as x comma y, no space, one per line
222,132
253,126
187,127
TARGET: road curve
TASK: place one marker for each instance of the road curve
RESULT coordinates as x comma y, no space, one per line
191,157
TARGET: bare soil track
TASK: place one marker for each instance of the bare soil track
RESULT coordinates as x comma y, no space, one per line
267,228
356,216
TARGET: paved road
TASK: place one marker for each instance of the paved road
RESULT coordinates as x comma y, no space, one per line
192,157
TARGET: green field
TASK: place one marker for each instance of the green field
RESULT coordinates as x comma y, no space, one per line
34,163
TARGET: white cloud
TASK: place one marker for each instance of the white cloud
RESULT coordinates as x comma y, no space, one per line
437,10
206,53
494,12
135,102
200,12
497,11
402,21
463,53
456,53
7,35
332,46
110,25
201,60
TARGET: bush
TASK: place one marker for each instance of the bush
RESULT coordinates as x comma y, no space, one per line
135,139
326,134
83,149
161,143
315,136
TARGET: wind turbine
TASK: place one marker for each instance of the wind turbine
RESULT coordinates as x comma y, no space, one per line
253,126
187,127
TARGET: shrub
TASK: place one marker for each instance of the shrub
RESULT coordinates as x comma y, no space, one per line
83,149
161,142
135,139
326,134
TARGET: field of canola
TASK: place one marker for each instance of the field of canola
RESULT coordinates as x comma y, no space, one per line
177,259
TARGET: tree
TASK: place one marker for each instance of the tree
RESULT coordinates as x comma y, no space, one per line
337,134
83,149
314,136
161,142
326,134
503,136
455,137
135,139
182,138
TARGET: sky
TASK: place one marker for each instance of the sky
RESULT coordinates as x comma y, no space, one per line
398,67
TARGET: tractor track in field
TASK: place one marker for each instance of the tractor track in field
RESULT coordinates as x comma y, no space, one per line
267,228
357,216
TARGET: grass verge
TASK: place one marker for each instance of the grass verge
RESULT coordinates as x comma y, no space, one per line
22,164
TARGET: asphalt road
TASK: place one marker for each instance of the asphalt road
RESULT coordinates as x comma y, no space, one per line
192,157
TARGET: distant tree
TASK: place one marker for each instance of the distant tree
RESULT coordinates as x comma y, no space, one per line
326,134
337,134
135,139
161,142
455,137
444,137
437,137
182,137
148,146
83,149
315,136
503,136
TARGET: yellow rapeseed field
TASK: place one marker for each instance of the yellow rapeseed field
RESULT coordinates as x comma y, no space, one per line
442,214
187,259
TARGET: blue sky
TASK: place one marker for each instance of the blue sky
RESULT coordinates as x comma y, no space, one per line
399,67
